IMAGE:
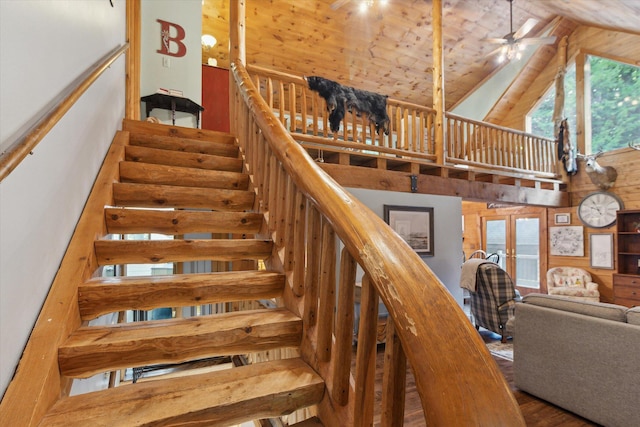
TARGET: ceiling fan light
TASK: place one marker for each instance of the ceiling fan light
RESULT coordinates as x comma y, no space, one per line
208,40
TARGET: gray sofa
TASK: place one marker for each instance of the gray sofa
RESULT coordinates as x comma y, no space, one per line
581,356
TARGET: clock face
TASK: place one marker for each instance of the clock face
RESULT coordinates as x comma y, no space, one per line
598,210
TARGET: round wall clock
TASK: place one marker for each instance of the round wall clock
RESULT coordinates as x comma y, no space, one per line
598,210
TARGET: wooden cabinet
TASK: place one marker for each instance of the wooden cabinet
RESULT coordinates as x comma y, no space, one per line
626,284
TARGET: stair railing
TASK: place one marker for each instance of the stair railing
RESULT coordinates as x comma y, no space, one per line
310,217
24,145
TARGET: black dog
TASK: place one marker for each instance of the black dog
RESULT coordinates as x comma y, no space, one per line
338,96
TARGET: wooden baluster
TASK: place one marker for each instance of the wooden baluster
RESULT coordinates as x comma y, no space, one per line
303,112
394,379
300,223
269,88
405,128
281,103
281,210
289,221
293,113
366,355
311,282
327,301
273,181
344,329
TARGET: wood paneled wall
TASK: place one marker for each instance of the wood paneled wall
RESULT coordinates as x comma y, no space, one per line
627,187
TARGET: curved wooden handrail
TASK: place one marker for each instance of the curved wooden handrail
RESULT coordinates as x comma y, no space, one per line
12,157
457,379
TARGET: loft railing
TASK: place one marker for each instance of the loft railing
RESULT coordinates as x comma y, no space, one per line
24,145
468,143
309,218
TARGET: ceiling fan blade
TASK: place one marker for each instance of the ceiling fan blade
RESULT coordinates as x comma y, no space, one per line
338,4
501,41
528,26
538,40
494,51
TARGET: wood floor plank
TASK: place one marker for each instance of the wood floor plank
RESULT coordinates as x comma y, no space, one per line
107,295
113,252
174,222
94,349
218,398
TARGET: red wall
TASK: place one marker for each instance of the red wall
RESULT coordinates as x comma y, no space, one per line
215,98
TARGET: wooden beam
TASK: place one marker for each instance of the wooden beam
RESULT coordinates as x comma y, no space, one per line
438,81
132,91
374,179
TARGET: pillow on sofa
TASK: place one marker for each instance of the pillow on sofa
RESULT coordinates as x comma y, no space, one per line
602,310
562,281
633,316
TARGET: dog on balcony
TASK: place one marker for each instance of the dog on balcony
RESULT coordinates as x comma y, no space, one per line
339,97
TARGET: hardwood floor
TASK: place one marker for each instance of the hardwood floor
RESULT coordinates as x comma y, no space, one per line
536,412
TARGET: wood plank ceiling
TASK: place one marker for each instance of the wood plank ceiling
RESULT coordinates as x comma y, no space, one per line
388,49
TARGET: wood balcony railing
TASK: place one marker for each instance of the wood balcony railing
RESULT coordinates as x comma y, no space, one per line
309,218
468,143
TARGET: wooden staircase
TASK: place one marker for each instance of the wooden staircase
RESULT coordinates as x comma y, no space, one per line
201,188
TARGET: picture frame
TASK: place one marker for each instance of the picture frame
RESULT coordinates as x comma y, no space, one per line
601,250
414,224
566,241
562,218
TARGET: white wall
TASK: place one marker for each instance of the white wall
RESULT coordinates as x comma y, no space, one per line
45,45
184,73
447,213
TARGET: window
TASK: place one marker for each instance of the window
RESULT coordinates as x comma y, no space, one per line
613,105
540,119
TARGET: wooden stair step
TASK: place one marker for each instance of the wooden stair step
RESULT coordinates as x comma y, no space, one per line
138,127
134,221
169,196
186,145
146,173
178,158
94,349
100,295
225,397
110,252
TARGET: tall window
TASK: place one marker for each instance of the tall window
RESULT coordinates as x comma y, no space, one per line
540,119
613,105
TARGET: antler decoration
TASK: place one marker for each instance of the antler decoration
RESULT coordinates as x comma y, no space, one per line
635,146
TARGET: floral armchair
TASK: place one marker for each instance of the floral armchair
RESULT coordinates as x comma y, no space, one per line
573,283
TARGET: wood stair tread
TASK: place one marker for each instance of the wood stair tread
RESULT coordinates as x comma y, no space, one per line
180,158
110,252
133,221
94,349
224,397
147,173
170,196
215,148
100,296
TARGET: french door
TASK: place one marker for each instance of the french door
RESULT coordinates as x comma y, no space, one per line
518,241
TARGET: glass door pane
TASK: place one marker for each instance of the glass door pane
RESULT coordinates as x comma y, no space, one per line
496,238
527,253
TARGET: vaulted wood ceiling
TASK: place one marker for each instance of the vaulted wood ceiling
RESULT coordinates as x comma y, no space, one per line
388,49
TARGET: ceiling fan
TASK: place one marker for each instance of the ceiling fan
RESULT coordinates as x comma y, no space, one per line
514,43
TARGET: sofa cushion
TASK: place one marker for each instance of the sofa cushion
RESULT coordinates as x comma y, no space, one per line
633,316
614,312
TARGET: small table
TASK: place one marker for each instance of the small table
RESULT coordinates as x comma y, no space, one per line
173,103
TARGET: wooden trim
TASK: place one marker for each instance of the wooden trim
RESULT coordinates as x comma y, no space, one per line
12,157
